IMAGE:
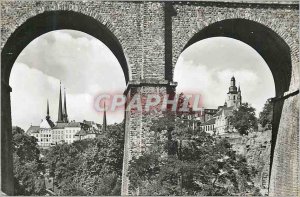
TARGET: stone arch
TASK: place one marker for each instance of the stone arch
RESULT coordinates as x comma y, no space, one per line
18,40
265,41
56,20
272,47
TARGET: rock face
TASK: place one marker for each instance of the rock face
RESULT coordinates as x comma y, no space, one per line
256,147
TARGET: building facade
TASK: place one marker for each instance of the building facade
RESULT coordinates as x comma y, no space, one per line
216,121
64,131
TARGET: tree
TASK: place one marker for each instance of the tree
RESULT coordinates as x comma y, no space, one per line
243,119
28,168
90,166
197,165
266,116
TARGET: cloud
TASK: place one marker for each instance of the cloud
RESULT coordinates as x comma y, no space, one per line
85,66
79,61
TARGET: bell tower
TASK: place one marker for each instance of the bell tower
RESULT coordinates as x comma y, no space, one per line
234,97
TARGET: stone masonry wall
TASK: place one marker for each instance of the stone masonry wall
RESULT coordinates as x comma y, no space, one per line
193,17
137,131
138,26
286,157
140,29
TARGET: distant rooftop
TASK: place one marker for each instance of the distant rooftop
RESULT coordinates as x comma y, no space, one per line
210,121
33,129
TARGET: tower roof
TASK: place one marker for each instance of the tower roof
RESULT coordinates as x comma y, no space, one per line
48,114
60,111
65,113
232,88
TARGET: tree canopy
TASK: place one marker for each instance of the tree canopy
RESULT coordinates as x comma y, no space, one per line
266,116
187,163
85,167
90,166
243,119
28,168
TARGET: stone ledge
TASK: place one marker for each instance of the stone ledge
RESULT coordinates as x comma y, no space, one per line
149,82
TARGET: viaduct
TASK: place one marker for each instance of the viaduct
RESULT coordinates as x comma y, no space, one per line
147,39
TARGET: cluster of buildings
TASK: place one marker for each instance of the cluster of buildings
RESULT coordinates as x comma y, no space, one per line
216,121
213,121
49,133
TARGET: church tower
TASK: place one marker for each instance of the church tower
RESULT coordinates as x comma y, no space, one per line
48,113
239,97
65,113
60,118
49,121
234,97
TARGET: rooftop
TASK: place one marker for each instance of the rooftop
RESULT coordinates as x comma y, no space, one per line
33,129
210,122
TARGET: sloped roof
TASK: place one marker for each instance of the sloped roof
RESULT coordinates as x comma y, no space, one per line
60,125
50,122
33,129
45,124
227,111
93,131
89,123
81,132
73,124
210,111
210,121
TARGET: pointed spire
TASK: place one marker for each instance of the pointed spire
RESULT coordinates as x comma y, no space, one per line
104,125
239,90
65,107
48,115
60,111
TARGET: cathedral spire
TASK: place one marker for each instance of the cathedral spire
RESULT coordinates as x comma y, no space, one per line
239,89
60,111
65,107
48,115
104,125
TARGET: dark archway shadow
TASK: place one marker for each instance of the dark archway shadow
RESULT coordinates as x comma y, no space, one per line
273,49
19,39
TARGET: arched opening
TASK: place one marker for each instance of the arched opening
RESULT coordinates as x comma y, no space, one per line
268,44
22,36
265,41
207,68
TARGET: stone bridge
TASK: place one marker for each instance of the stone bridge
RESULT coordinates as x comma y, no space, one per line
147,39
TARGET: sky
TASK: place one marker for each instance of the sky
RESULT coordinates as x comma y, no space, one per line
83,64
207,66
86,68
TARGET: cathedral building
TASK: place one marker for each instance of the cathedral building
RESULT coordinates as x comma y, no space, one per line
64,131
59,130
